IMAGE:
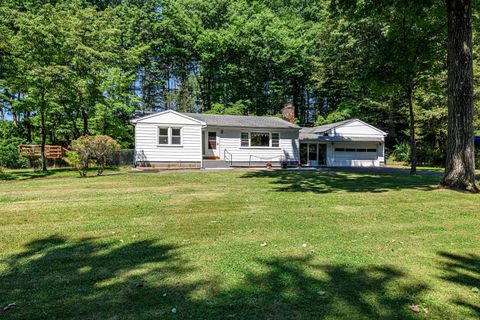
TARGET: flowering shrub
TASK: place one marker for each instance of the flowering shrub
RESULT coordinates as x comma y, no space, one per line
96,149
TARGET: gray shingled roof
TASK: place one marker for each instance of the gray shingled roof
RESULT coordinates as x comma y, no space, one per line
323,128
222,120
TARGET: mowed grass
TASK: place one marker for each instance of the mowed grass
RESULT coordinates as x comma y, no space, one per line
26,174
238,245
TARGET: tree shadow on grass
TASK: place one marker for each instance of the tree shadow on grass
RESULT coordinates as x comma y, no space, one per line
56,278
286,290
29,174
327,182
463,270
24,175
86,279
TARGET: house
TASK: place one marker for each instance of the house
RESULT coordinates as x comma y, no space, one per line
175,139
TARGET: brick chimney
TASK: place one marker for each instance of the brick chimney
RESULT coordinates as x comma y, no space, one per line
288,113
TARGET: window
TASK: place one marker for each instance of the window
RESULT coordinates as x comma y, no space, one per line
245,140
350,149
176,136
275,140
361,150
260,139
169,136
339,149
162,135
371,150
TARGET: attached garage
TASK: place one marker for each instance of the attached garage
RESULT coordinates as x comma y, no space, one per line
350,143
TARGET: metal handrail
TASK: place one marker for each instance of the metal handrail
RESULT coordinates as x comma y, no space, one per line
225,152
250,159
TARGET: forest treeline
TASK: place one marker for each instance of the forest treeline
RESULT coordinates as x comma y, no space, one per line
77,67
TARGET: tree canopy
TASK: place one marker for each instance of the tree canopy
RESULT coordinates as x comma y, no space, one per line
70,68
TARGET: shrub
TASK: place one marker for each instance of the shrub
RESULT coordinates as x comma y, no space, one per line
104,148
92,149
74,160
9,156
402,151
429,155
426,154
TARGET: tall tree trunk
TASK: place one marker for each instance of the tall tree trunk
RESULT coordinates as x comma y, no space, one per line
85,122
28,125
460,164
73,120
44,136
413,144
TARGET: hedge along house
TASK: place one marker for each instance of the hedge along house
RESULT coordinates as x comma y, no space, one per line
174,139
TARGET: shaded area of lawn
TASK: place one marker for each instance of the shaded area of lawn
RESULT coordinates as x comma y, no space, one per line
321,182
463,270
28,174
59,278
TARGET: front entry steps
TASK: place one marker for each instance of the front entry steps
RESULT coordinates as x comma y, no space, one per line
215,164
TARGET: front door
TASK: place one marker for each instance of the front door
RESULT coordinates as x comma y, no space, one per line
211,144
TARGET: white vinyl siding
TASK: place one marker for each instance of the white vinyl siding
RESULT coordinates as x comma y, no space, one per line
184,139
233,140
356,129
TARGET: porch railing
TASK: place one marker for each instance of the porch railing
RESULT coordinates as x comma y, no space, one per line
263,159
227,156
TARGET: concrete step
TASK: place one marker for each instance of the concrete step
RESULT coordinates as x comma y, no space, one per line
215,164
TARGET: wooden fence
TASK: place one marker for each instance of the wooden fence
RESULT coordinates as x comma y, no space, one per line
35,151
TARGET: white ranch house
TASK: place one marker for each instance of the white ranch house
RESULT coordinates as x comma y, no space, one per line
174,139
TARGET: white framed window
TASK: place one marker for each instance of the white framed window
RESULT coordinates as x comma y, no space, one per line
176,136
244,139
260,139
275,140
163,135
169,136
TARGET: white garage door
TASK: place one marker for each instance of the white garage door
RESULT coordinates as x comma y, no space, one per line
356,156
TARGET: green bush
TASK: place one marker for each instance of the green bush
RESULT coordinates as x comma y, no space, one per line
9,156
92,149
74,160
401,151
431,156
426,154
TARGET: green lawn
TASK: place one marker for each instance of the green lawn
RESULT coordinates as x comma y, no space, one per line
26,174
406,166
238,245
